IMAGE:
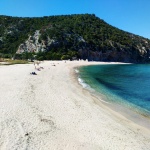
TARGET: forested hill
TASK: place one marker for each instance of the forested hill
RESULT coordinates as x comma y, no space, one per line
70,37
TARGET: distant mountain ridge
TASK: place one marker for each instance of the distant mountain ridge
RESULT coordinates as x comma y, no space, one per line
71,36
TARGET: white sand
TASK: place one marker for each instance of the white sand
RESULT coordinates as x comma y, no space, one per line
51,111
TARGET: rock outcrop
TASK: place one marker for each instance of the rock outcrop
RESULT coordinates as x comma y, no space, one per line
31,44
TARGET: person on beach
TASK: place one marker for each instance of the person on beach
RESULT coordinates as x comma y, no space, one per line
34,64
33,73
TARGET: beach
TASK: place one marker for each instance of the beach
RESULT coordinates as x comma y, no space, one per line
52,111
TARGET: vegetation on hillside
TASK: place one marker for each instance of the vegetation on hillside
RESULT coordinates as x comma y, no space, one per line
72,35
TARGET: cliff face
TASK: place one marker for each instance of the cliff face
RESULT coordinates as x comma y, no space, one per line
82,36
31,44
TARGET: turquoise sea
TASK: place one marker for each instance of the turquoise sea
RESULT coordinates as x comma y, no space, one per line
127,85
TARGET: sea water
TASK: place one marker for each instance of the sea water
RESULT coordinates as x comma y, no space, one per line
127,85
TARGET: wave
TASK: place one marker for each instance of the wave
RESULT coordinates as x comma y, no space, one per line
76,70
84,85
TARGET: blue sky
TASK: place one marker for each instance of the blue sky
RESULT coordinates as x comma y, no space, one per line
129,15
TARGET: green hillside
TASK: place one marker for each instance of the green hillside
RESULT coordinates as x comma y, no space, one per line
71,36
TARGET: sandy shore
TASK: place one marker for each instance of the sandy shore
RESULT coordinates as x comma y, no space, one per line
51,111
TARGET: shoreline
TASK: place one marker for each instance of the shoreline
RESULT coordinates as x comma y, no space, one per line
131,115
138,117
51,110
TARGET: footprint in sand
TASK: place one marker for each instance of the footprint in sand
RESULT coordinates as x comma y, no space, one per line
12,135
